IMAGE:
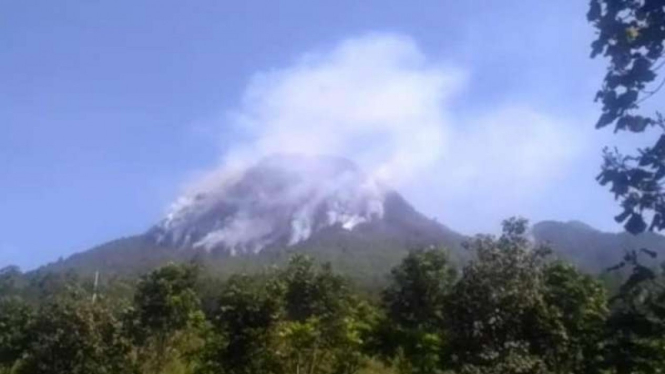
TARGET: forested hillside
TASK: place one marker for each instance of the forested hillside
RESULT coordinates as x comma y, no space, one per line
594,250
365,254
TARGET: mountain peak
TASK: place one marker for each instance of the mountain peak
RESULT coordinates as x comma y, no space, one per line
323,205
279,201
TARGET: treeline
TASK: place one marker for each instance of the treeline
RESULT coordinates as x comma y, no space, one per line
510,310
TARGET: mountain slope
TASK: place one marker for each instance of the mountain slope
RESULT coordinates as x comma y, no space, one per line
591,249
322,206
326,207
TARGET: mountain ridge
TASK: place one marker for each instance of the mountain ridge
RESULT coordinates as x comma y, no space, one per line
323,206
592,249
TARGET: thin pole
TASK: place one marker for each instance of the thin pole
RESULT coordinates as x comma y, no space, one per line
94,290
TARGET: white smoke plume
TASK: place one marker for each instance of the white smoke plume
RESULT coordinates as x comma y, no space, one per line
380,101
376,100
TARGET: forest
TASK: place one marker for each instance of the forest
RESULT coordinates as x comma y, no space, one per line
511,309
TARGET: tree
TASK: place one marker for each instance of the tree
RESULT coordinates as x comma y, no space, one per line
15,319
497,316
166,319
631,34
414,303
418,288
577,306
636,325
74,336
311,292
514,311
244,327
299,319
323,323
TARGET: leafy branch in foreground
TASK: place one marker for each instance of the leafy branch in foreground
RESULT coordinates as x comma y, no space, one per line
631,34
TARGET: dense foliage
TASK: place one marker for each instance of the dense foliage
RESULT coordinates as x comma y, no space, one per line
631,34
511,309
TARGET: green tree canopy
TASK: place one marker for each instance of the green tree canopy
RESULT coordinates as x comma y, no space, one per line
249,308
74,336
414,303
497,315
166,319
578,308
15,319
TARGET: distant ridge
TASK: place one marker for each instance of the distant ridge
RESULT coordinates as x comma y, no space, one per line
592,249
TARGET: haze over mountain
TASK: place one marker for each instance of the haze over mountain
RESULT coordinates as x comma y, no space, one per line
324,206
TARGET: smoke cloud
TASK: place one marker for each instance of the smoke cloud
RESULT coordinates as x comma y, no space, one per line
380,101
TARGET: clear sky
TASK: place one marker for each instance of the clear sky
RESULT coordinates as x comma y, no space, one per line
108,109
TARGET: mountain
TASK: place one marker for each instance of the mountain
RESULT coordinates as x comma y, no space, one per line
591,249
327,207
281,201
256,216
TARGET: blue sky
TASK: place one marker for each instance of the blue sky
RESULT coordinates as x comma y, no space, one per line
109,109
